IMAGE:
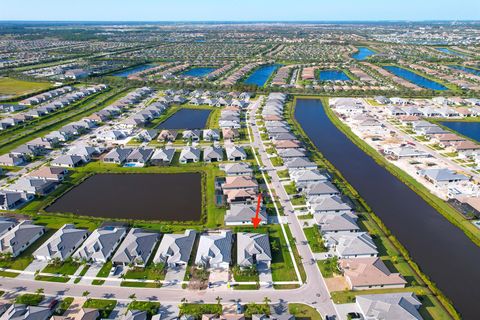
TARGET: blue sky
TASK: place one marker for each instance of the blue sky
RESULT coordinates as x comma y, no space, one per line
234,10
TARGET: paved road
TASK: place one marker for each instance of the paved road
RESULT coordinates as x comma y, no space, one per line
313,292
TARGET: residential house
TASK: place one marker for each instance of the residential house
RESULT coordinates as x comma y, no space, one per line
253,249
24,312
237,169
351,245
442,177
344,222
167,135
242,214
211,135
101,244
67,161
235,153
62,244
136,248
370,273
191,135
212,154
391,306
20,237
139,157
32,186
189,154
162,156
215,250
175,249
11,199
117,155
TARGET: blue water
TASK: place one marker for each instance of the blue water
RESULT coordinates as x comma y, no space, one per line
415,78
186,119
261,75
198,72
466,69
468,129
363,53
448,51
333,75
125,73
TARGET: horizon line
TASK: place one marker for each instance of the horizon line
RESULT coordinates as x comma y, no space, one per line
249,21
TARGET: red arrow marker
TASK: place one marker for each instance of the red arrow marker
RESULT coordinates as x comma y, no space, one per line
256,220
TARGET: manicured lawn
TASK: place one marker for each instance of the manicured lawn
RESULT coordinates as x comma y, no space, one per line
277,161
52,278
82,273
303,311
328,267
105,270
256,308
68,267
104,306
150,306
30,299
291,188
137,284
314,239
299,201
14,87
151,272
245,275
8,274
282,264
283,174
197,310
64,305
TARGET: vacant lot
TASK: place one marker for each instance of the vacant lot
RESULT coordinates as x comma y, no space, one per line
14,87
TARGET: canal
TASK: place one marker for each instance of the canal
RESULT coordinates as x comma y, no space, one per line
441,250
448,51
415,78
261,75
466,69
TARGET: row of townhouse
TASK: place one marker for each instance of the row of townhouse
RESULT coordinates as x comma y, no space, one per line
51,107
46,96
335,219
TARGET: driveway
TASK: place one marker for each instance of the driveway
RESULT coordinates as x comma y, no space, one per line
91,273
218,277
174,277
29,272
264,274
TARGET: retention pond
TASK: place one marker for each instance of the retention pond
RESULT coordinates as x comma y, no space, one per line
135,196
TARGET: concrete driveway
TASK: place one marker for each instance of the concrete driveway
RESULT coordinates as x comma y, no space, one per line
175,276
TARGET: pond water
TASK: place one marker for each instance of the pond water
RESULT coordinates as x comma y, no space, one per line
198,71
415,78
135,196
261,75
468,129
126,72
448,51
466,69
363,53
441,250
333,75
186,119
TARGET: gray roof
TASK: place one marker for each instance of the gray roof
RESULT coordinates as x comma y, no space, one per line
291,153
135,315
175,248
235,151
136,248
6,224
443,174
165,154
242,212
333,203
214,249
300,163
20,237
140,155
189,153
100,244
252,247
239,168
390,306
321,188
67,160
62,243
24,312
118,154
210,153
307,175
351,244
336,222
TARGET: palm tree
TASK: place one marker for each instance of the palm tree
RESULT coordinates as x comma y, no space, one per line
133,297
39,291
266,300
219,299
86,293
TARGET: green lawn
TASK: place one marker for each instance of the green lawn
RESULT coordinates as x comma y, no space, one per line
303,311
276,161
283,174
14,87
63,306
328,267
150,306
315,239
256,308
151,272
104,306
197,310
245,275
68,267
30,299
